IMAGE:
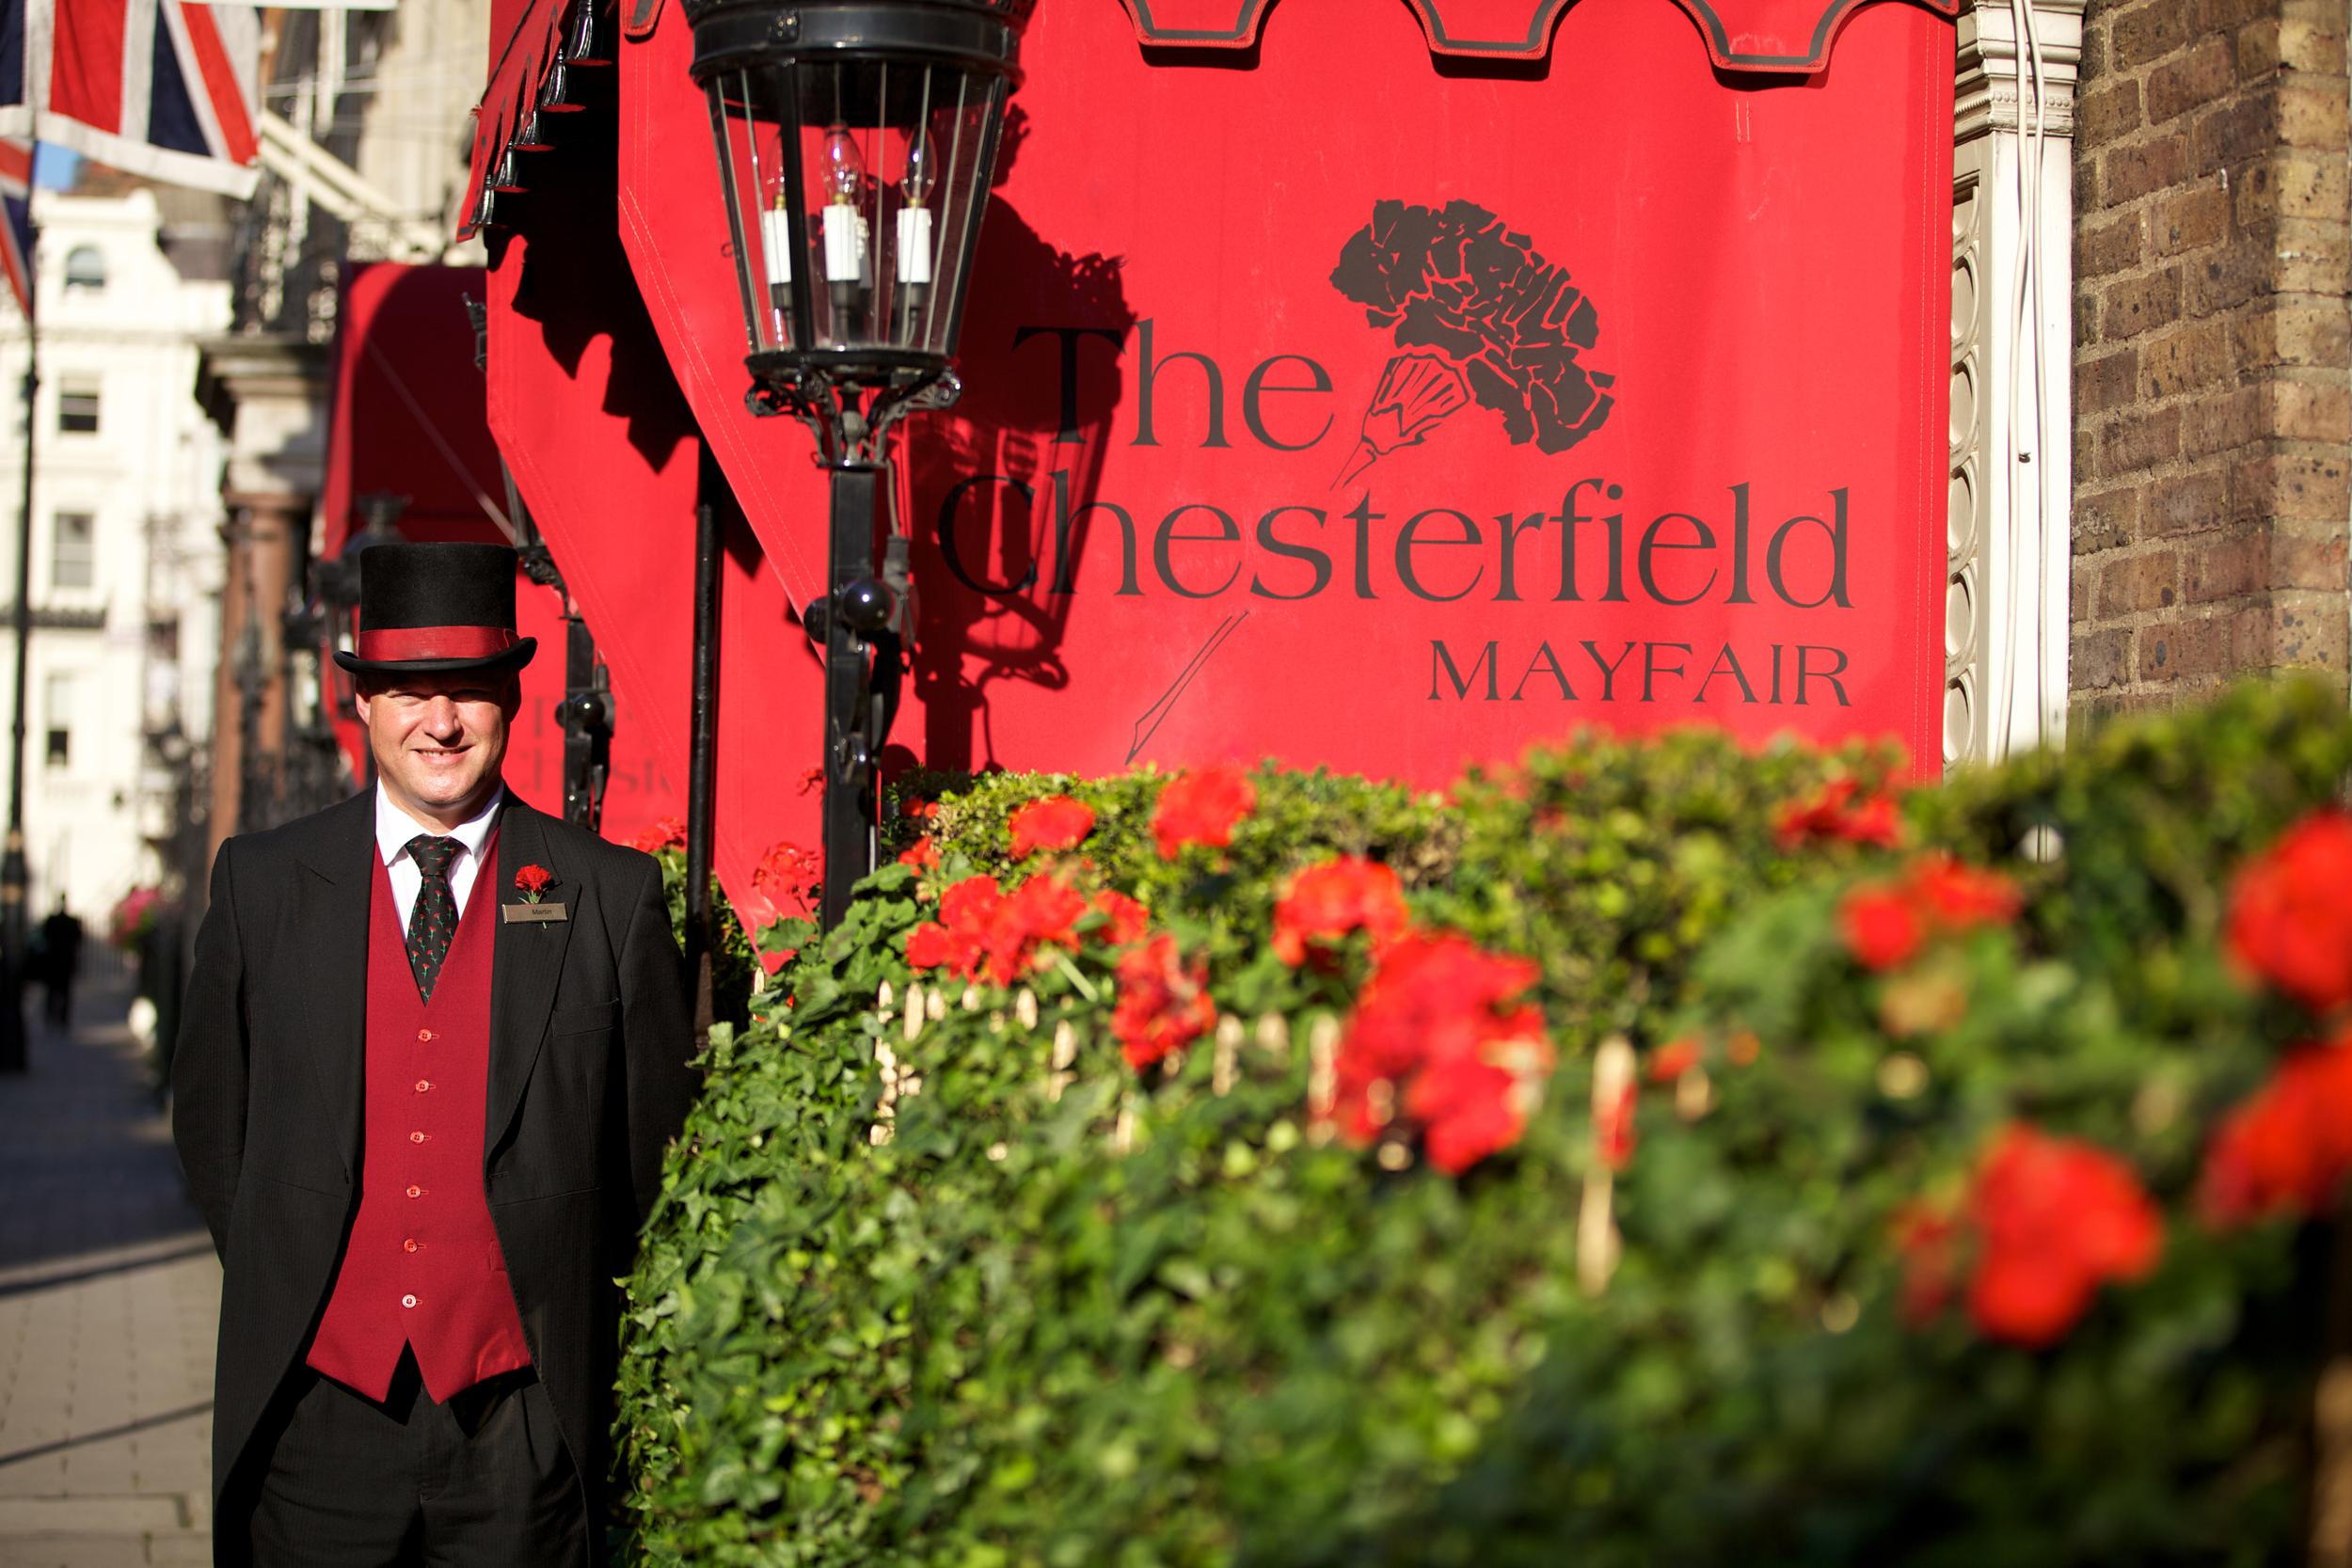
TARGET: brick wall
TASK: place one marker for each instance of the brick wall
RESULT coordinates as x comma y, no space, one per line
2213,358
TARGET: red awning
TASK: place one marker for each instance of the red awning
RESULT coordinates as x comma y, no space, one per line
407,416
1789,36
535,44
1638,296
604,453
410,419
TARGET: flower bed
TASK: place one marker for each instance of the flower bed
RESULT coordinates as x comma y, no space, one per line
1655,1152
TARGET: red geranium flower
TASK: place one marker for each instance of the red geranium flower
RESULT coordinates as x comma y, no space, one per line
1164,1003
956,940
970,903
1201,808
983,932
2287,1150
1956,897
2055,1219
1435,1037
1886,924
666,834
1835,814
1127,918
788,874
1469,1107
1881,927
920,857
1056,822
533,880
2291,912
1324,903
1672,1059
1039,913
2049,1221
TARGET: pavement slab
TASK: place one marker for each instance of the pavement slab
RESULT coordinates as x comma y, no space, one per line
109,1306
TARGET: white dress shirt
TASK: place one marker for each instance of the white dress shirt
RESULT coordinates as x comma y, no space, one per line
394,828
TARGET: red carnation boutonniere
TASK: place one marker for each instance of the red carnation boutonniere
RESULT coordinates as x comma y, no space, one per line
533,880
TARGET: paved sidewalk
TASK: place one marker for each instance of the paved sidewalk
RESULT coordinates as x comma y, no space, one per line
108,1301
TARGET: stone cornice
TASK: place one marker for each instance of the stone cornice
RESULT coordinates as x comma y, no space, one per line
253,367
1989,90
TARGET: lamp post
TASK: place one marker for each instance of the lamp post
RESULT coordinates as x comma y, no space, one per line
856,140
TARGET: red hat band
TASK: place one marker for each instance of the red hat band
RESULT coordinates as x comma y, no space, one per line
405,644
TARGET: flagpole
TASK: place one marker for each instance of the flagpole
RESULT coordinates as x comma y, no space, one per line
12,870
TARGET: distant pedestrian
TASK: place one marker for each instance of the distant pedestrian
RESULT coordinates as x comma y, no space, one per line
60,963
433,1045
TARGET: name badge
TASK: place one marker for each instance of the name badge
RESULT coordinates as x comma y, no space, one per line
532,914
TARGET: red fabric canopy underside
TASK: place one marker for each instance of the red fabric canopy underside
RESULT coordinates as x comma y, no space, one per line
409,419
525,39
604,453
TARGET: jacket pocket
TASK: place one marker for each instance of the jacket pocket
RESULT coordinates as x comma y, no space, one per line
594,1019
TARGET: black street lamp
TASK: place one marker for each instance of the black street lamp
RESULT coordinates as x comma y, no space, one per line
857,142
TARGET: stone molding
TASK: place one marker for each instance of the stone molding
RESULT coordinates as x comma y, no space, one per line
2010,477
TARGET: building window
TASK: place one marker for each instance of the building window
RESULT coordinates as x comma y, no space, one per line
58,707
78,407
73,550
86,267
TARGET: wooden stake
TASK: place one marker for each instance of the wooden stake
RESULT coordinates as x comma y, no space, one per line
1596,1240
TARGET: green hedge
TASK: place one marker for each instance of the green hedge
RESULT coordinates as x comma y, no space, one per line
1073,1314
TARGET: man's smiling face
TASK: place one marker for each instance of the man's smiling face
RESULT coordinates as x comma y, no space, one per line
439,739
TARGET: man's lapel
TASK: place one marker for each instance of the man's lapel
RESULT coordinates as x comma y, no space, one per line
528,958
333,917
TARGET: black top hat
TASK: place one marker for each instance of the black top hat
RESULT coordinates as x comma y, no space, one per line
437,610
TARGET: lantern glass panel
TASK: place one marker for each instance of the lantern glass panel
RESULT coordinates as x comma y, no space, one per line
855,190
750,165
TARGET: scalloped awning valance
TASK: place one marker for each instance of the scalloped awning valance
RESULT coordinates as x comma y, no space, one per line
535,46
1790,36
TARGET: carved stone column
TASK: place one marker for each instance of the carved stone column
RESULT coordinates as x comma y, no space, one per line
2006,605
268,395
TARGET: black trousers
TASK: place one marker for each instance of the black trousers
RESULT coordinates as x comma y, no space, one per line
483,1481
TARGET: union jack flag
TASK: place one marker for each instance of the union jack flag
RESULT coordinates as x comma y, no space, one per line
16,207
159,87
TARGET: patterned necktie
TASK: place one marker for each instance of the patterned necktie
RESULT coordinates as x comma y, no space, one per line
433,921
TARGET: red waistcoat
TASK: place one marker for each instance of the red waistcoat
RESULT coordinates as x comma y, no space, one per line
422,1267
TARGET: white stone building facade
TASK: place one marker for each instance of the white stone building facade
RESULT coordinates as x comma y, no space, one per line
125,550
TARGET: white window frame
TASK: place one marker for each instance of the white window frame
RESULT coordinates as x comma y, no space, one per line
58,554
89,387
95,282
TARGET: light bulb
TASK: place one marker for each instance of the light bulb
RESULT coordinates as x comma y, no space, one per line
922,175
845,171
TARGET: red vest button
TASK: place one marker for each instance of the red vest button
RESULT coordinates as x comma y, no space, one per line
416,1192
425,1034
423,1085
408,1301
416,1137
409,1245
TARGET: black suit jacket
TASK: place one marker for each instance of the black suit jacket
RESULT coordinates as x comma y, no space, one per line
589,1079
